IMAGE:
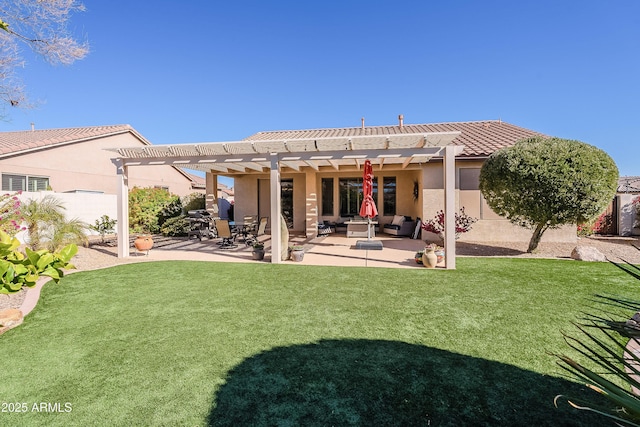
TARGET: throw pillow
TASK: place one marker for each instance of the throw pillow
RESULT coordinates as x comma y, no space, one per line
398,220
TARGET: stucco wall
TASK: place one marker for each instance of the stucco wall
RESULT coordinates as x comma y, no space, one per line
308,200
88,166
627,215
405,204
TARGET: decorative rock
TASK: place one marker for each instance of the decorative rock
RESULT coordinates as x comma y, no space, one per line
10,319
587,253
634,322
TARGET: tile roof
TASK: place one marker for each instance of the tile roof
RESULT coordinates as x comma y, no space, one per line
629,184
479,138
29,140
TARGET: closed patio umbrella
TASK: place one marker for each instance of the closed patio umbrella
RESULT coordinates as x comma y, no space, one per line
368,208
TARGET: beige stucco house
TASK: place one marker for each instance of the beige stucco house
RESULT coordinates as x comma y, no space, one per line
76,160
311,176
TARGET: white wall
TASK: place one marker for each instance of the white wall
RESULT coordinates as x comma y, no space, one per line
86,207
627,215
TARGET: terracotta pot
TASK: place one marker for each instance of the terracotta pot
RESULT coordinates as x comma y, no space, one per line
429,258
143,242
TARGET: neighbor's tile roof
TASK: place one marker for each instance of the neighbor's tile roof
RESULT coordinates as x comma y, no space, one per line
629,184
29,140
479,138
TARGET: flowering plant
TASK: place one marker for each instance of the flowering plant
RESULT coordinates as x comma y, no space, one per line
10,217
436,225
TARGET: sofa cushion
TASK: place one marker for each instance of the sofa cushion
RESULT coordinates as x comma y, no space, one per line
398,220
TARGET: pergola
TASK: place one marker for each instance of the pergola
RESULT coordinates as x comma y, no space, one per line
260,156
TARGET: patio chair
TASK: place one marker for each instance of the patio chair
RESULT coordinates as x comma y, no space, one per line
224,231
262,226
248,227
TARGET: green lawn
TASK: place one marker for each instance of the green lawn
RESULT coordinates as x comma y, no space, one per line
197,343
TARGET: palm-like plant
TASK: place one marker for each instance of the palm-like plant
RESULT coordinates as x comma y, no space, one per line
611,343
64,232
46,224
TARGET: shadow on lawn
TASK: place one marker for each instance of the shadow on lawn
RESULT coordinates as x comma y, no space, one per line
366,382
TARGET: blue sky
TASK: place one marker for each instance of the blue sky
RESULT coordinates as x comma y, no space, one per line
205,71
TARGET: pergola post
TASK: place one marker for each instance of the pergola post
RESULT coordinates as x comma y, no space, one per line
449,161
123,209
211,196
311,213
276,233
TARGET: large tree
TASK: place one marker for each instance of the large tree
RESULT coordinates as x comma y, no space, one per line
41,25
542,183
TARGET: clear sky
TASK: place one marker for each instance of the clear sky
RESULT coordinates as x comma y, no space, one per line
210,71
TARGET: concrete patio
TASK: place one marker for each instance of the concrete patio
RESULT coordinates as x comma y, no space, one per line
333,249
338,250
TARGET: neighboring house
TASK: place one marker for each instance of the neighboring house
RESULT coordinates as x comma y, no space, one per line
629,185
311,176
76,160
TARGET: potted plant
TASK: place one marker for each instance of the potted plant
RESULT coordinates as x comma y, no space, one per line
258,251
296,253
429,257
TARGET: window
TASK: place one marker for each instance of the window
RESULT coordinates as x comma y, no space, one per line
327,196
351,195
389,195
286,201
37,183
469,179
24,183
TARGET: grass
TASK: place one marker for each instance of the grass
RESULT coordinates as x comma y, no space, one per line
197,343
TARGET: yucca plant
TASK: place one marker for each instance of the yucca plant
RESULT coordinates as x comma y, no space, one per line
607,341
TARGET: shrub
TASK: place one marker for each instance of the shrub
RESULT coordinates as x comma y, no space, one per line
603,223
10,216
585,229
176,226
149,208
18,269
636,204
104,225
171,210
574,182
436,225
193,201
